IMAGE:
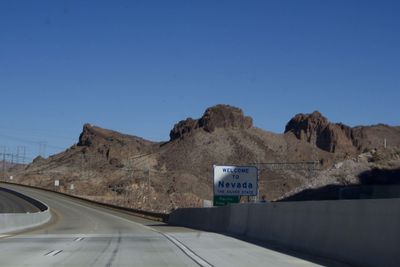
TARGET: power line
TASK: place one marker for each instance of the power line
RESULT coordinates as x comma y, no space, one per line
27,141
47,133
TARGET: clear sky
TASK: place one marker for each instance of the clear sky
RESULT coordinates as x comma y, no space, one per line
139,67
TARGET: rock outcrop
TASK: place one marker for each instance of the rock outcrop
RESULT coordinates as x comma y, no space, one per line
183,128
219,116
339,138
316,129
111,146
87,135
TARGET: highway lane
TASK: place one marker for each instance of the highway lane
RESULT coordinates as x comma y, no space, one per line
11,203
83,234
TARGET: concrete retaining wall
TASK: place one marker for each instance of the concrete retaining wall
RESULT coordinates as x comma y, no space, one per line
11,222
358,232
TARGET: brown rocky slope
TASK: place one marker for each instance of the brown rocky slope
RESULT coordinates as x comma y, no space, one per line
126,170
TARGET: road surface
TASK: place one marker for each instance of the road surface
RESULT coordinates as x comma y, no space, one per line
84,234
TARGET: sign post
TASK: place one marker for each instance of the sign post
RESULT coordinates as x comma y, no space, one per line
231,182
56,184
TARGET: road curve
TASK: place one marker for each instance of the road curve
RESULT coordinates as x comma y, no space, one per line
83,234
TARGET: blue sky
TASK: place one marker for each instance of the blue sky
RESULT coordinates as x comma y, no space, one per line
138,67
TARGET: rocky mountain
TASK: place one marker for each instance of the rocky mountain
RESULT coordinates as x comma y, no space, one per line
339,138
127,170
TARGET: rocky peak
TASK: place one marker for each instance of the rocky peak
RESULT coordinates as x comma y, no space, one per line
38,160
224,116
219,116
307,126
93,135
316,129
87,135
183,128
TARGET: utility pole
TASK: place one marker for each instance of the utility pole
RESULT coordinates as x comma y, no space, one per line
24,154
148,186
314,155
147,173
4,163
82,165
17,156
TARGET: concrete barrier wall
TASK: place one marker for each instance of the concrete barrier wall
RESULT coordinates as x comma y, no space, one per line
209,219
11,222
358,232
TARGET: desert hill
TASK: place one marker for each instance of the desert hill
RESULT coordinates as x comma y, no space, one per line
127,170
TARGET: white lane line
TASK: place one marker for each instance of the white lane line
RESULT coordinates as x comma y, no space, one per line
1,236
187,251
79,239
53,253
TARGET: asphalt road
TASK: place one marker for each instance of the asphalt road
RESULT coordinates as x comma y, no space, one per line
11,203
83,234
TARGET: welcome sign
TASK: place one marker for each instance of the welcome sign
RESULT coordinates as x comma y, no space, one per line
235,180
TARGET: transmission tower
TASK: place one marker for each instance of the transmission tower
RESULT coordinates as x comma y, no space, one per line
42,148
20,156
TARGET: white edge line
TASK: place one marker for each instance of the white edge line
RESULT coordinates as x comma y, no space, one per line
187,251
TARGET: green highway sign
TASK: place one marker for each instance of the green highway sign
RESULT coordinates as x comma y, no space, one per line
225,200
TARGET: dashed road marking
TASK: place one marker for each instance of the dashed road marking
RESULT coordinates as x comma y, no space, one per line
53,253
78,239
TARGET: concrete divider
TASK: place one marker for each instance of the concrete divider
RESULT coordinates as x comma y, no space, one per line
238,221
209,219
12,222
357,232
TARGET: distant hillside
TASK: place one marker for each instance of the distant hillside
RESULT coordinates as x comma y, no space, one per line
6,165
127,170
